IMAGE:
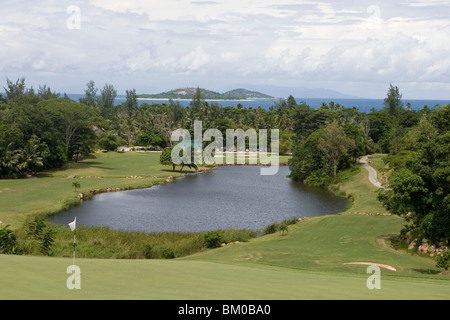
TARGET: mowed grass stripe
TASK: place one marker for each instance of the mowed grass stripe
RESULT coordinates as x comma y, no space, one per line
325,244
25,277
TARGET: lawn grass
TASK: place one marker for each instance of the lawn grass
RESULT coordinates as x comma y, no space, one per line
45,278
361,193
376,161
308,262
305,263
324,244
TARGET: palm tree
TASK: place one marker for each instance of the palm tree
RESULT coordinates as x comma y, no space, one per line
9,160
29,158
75,185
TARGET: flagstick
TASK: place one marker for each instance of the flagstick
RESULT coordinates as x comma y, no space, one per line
73,248
73,227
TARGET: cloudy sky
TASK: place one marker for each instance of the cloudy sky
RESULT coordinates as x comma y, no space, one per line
355,47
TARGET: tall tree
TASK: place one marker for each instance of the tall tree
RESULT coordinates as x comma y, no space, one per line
15,90
90,98
70,118
393,101
306,163
334,145
197,101
30,158
106,102
128,111
46,93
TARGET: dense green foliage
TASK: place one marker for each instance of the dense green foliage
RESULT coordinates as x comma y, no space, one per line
213,239
418,145
332,137
328,140
38,133
420,188
39,238
8,241
41,130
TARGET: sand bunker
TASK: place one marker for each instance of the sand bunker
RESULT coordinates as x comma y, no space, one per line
374,264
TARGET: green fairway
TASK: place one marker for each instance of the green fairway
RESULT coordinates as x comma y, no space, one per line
307,262
363,194
324,244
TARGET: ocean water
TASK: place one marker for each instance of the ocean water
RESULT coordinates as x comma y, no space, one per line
363,105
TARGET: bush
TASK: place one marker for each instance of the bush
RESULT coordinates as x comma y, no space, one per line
290,221
8,241
272,228
167,252
40,232
241,235
151,137
110,142
148,251
213,239
444,261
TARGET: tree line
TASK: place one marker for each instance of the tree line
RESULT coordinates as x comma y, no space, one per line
41,129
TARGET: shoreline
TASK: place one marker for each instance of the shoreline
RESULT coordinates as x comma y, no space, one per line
162,181
86,195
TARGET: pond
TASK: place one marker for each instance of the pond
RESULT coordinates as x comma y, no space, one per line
229,197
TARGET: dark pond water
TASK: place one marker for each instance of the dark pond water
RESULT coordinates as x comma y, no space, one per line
229,197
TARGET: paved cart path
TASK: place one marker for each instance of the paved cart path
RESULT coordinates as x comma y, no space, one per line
372,173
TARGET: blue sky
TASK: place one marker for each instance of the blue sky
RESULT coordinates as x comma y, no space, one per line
355,47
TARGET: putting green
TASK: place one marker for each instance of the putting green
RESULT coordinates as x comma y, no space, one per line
306,263
25,277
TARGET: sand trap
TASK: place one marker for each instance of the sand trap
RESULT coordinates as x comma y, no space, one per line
374,264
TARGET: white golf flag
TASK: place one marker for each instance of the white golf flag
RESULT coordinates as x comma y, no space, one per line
73,224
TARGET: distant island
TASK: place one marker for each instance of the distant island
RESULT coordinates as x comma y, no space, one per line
187,93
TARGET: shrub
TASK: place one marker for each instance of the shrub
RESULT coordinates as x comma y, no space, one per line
167,252
444,261
38,230
148,251
290,221
110,142
47,242
213,239
271,228
241,235
8,241
151,137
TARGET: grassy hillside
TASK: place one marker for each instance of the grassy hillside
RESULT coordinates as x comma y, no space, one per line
324,244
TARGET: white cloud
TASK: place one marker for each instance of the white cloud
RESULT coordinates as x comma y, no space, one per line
157,43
